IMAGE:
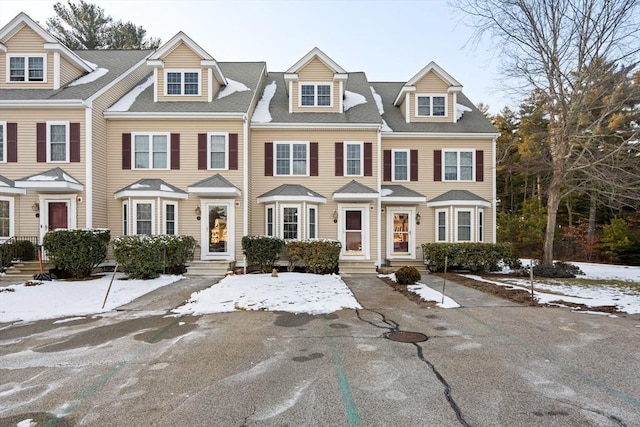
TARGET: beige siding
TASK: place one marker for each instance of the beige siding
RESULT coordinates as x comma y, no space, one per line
183,178
68,72
182,58
316,72
26,41
433,85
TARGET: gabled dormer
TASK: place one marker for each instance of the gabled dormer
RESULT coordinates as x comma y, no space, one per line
183,71
31,58
430,96
315,84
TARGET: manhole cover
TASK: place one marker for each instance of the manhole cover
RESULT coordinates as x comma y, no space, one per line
404,336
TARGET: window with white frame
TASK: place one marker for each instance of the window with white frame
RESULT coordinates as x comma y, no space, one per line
270,221
183,82
58,141
353,158
458,165
170,218
463,225
312,222
431,105
27,68
218,149
291,158
353,229
125,219
441,225
315,95
480,225
151,151
290,222
3,143
6,220
144,217
400,165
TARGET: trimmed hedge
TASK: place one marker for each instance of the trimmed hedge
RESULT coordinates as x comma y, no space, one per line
407,275
77,252
318,256
262,251
20,249
146,257
475,257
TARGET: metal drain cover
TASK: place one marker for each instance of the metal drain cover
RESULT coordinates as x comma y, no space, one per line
405,336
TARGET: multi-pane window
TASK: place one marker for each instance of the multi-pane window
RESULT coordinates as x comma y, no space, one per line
183,82
3,144
431,106
269,222
353,158
353,230
480,225
144,218
400,165
291,159
463,226
458,165
315,95
125,219
441,226
289,222
217,151
58,141
150,151
312,222
170,218
26,68
4,219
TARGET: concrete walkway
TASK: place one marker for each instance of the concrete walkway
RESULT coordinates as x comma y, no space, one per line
170,296
463,295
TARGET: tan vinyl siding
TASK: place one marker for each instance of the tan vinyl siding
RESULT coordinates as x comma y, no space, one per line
182,58
431,84
187,175
68,72
316,72
26,41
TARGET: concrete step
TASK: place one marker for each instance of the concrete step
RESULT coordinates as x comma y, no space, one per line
418,264
207,268
350,268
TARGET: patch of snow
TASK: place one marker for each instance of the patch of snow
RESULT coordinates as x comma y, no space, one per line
69,319
385,126
43,178
261,113
90,64
378,100
460,110
165,188
137,186
127,101
3,184
68,178
88,78
426,293
386,192
27,423
231,88
351,99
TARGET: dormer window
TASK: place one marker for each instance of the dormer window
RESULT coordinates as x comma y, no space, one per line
26,68
431,105
315,95
181,82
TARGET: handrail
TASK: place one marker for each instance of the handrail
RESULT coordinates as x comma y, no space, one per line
13,250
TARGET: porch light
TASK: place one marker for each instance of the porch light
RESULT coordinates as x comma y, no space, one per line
198,212
36,208
335,216
417,218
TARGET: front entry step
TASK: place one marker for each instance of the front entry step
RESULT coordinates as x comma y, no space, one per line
208,268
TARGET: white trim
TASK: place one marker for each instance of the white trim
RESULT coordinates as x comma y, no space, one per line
378,199
363,253
125,218
291,144
313,53
164,217
151,193
125,115
393,164
472,227
88,137
344,157
439,135
494,194
209,85
134,215
446,225
446,203
290,96
26,57
459,151
42,103
72,211
341,97
299,222
67,141
156,89
312,126
431,96
274,222
355,196
315,94
51,186
56,70
205,237
455,102
150,136
183,83
245,175
406,200
278,198
411,232
12,216
307,223
226,150
407,104
214,191
480,227
3,148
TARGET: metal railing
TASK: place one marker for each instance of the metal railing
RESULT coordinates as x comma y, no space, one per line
19,248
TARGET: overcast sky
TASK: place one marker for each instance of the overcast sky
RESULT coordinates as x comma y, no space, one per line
388,40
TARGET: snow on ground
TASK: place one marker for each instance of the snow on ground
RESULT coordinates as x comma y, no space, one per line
62,298
290,292
426,293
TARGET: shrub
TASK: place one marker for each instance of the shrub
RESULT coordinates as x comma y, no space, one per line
318,256
407,275
77,252
620,242
475,257
559,270
146,257
262,251
20,249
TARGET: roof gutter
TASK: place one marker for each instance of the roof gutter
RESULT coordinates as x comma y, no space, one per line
440,135
128,115
369,126
43,103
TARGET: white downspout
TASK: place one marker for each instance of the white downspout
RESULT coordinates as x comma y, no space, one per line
245,182
379,188
494,214
88,137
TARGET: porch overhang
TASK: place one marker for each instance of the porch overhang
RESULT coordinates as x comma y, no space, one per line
7,186
214,186
400,195
151,188
355,192
52,181
291,193
458,198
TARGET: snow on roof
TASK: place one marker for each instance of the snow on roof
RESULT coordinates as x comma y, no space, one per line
43,178
88,78
68,178
460,110
385,126
3,184
165,188
136,186
261,113
127,101
231,88
351,99
386,192
378,99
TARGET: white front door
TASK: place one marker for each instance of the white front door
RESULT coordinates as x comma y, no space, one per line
353,232
401,233
217,233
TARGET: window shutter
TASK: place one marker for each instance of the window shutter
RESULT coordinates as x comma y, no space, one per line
413,162
126,151
387,165
74,142
368,159
233,151
41,142
313,159
268,159
339,159
12,142
175,151
479,165
437,165
202,151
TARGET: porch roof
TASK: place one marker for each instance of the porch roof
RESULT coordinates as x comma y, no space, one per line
355,191
292,193
151,188
214,186
458,197
400,194
54,180
7,186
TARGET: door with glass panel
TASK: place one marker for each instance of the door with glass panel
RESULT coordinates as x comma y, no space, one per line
400,233
217,235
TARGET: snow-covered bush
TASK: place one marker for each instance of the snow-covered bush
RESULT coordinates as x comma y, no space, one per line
262,251
76,252
146,257
319,256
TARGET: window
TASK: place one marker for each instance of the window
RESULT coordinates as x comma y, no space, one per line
480,225
312,222
150,151
431,106
218,228
290,224
286,221
5,219
125,219
269,222
353,230
170,218
353,158
57,141
400,165
441,225
218,148
3,143
291,159
463,226
183,82
458,165
315,95
144,218
27,68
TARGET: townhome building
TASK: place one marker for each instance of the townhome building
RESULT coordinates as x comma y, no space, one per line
172,141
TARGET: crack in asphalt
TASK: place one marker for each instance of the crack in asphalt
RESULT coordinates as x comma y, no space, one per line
393,326
612,418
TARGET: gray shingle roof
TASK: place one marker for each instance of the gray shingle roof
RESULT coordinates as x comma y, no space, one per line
6,182
452,195
292,190
7,186
144,185
215,181
51,175
116,61
354,187
399,191
471,121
